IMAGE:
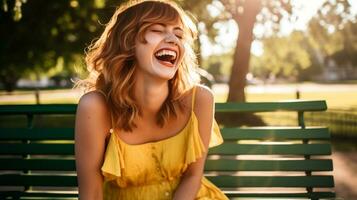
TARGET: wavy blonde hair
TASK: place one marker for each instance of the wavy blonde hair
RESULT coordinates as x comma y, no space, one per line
111,60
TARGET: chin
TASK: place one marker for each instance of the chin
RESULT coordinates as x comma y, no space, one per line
167,77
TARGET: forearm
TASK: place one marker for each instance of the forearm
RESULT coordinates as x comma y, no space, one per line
188,187
91,190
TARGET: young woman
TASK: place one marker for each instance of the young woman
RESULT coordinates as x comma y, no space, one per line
144,128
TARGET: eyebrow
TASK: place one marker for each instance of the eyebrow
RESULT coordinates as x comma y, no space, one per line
176,28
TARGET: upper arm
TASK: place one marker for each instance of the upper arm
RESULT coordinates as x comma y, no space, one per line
91,127
204,110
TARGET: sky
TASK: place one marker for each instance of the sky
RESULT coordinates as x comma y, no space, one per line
307,9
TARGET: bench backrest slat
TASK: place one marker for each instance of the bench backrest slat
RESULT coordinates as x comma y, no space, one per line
37,149
298,105
37,134
275,133
69,180
269,165
271,149
275,181
43,164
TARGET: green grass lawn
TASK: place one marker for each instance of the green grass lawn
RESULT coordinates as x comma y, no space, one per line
335,100
338,100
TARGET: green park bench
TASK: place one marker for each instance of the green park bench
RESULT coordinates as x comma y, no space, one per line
36,156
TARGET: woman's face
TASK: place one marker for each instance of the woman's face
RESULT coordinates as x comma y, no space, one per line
163,51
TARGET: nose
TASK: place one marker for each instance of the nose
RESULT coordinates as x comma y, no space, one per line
171,38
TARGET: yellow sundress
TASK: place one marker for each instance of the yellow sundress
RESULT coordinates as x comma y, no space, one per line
152,171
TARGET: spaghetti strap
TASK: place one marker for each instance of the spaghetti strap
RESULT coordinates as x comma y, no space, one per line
100,91
193,97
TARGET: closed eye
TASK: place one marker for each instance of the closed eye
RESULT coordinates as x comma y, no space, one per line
157,31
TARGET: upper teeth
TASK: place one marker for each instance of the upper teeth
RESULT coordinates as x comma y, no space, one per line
166,52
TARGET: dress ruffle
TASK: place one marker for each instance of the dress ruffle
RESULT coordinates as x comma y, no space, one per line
195,148
216,136
113,159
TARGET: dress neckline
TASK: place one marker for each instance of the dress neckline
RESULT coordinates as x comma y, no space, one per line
192,117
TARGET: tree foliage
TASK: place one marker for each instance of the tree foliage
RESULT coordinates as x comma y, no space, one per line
283,56
46,32
248,13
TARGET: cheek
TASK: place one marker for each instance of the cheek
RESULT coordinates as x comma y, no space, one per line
182,50
140,50
152,38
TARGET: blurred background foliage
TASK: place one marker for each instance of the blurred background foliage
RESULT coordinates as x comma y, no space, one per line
41,38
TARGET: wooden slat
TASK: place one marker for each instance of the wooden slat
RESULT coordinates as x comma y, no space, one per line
39,149
273,181
269,165
298,105
211,165
40,195
272,133
220,181
232,195
38,180
38,109
313,195
275,133
267,149
37,134
224,149
37,164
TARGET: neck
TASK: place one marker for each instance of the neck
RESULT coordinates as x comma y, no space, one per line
150,95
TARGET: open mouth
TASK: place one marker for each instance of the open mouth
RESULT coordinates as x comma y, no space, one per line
166,56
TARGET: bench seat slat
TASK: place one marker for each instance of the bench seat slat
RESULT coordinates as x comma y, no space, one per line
272,181
275,133
271,149
268,165
37,134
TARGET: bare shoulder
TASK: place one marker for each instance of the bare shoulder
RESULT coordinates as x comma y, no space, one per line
93,111
93,100
204,96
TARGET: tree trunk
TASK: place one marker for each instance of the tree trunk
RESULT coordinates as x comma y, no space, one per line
8,79
245,21
237,81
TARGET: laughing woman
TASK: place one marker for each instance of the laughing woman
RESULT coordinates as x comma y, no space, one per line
144,127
